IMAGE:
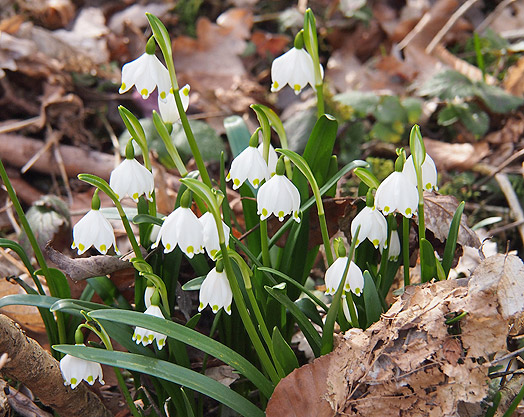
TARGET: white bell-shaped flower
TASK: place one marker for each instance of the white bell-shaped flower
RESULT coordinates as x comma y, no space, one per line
210,233
295,68
280,197
397,193
394,246
74,370
345,308
146,336
272,158
93,230
146,73
168,109
216,292
248,165
132,179
148,293
354,279
429,172
373,226
181,228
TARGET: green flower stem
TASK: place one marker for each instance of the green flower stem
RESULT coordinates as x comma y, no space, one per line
171,149
421,225
246,319
246,274
62,336
129,230
302,165
264,243
327,335
405,249
320,99
106,340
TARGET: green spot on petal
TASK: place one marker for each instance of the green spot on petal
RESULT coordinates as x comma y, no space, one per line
357,291
135,196
138,337
103,248
74,381
123,87
236,181
256,181
280,214
190,249
81,246
161,342
90,379
264,212
408,211
275,84
215,308
163,95
386,209
144,92
297,88
168,246
428,186
228,308
185,91
201,306
213,253
375,242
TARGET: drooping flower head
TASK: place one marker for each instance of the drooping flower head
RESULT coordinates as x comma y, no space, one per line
131,178
278,196
249,165
94,230
215,291
146,336
168,109
272,158
354,279
429,173
74,370
295,68
182,228
394,246
397,193
146,73
373,226
210,234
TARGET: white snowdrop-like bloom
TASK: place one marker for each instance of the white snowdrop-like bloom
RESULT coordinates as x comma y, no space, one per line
248,165
181,228
132,179
148,293
168,109
394,246
397,193
280,197
295,68
345,309
93,230
210,233
429,173
74,370
354,279
373,226
146,73
216,292
272,158
146,336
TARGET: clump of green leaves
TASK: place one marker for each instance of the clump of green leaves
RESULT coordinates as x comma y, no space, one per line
462,97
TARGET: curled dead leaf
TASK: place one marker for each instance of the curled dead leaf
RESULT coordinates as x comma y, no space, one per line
408,363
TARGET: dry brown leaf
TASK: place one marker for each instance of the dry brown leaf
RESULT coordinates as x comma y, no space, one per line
79,269
460,156
438,213
408,363
514,80
270,43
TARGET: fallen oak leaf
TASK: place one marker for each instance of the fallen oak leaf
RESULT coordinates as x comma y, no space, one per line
83,268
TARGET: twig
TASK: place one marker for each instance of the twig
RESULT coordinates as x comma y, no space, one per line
415,31
496,170
13,126
114,139
513,201
55,138
493,15
449,24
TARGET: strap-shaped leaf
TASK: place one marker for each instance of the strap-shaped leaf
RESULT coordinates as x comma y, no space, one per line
192,338
168,371
451,241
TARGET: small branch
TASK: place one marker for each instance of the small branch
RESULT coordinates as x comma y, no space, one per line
33,366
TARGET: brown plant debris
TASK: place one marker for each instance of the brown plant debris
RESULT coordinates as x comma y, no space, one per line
411,362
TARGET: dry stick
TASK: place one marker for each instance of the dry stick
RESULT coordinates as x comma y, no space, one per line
39,371
493,15
494,171
513,201
55,137
415,31
449,24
